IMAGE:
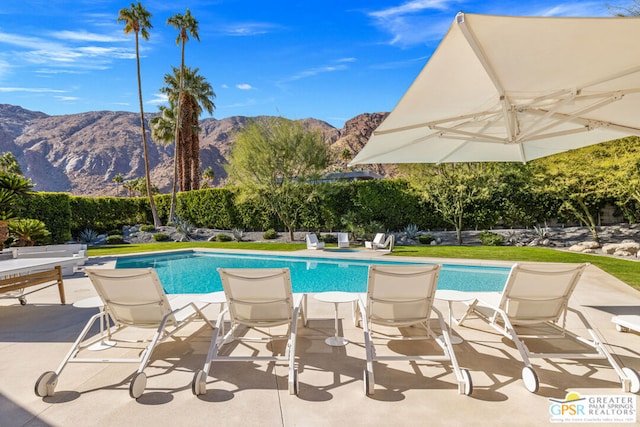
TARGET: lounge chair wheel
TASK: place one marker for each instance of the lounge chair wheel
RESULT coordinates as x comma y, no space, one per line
530,379
621,328
46,384
138,384
23,300
633,376
294,386
199,383
368,383
468,383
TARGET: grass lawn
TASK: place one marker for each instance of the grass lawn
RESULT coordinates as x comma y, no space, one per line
625,270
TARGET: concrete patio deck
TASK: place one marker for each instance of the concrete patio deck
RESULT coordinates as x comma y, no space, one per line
35,338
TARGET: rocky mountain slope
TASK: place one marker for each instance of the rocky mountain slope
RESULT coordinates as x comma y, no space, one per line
81,153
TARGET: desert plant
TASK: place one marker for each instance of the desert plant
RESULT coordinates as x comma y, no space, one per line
28,232
411,231
88,236
148,228
160,237
542,232
223,238
238,234
184,227
115,239
426,239
270,234
489,238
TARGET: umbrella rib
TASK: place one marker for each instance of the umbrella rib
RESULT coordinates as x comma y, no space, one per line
434,122
479,52
565,118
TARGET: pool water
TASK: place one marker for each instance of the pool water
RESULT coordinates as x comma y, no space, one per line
195,272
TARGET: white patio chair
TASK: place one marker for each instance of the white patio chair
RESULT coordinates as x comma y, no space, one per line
534,306
134,300
313,242
261,299
343,240
402,296
380,243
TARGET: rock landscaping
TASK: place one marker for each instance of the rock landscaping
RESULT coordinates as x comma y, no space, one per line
621,240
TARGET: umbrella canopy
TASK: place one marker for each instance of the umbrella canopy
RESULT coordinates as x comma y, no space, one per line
507,89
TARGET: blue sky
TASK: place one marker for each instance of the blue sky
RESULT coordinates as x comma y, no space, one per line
330,59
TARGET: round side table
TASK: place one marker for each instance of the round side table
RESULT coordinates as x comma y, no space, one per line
336,298
451,296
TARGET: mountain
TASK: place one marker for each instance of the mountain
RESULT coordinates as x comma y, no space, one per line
81,153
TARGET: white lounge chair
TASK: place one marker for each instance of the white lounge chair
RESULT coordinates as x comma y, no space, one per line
380,243
133,298
343,240
534,306
260,299
313,242
399,297
627,322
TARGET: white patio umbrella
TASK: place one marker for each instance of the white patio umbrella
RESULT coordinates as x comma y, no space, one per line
502,88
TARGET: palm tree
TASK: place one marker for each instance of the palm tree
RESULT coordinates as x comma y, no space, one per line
197,95
209,174
137,20
186,24
118,180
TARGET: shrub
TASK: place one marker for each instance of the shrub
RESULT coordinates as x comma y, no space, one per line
28,231
489,238
270,234
426,239
114,239
160,237
148,228
223,238
329,238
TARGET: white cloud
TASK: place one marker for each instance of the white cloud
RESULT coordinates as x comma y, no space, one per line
585,8
411,7
249,29
159,98
244,86
84,36
67,98
36,50
30,90
315,71
408,23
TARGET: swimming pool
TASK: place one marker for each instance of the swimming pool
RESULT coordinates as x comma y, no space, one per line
195,272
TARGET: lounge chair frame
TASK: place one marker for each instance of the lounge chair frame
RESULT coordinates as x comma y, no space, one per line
241,311
121,314
392,277
505,317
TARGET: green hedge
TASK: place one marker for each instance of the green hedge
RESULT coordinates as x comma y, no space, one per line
54,209
104,214
388,204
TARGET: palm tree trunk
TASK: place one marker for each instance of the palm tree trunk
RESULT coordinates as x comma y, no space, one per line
154,213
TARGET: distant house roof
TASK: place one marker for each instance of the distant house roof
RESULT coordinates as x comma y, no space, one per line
351,176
